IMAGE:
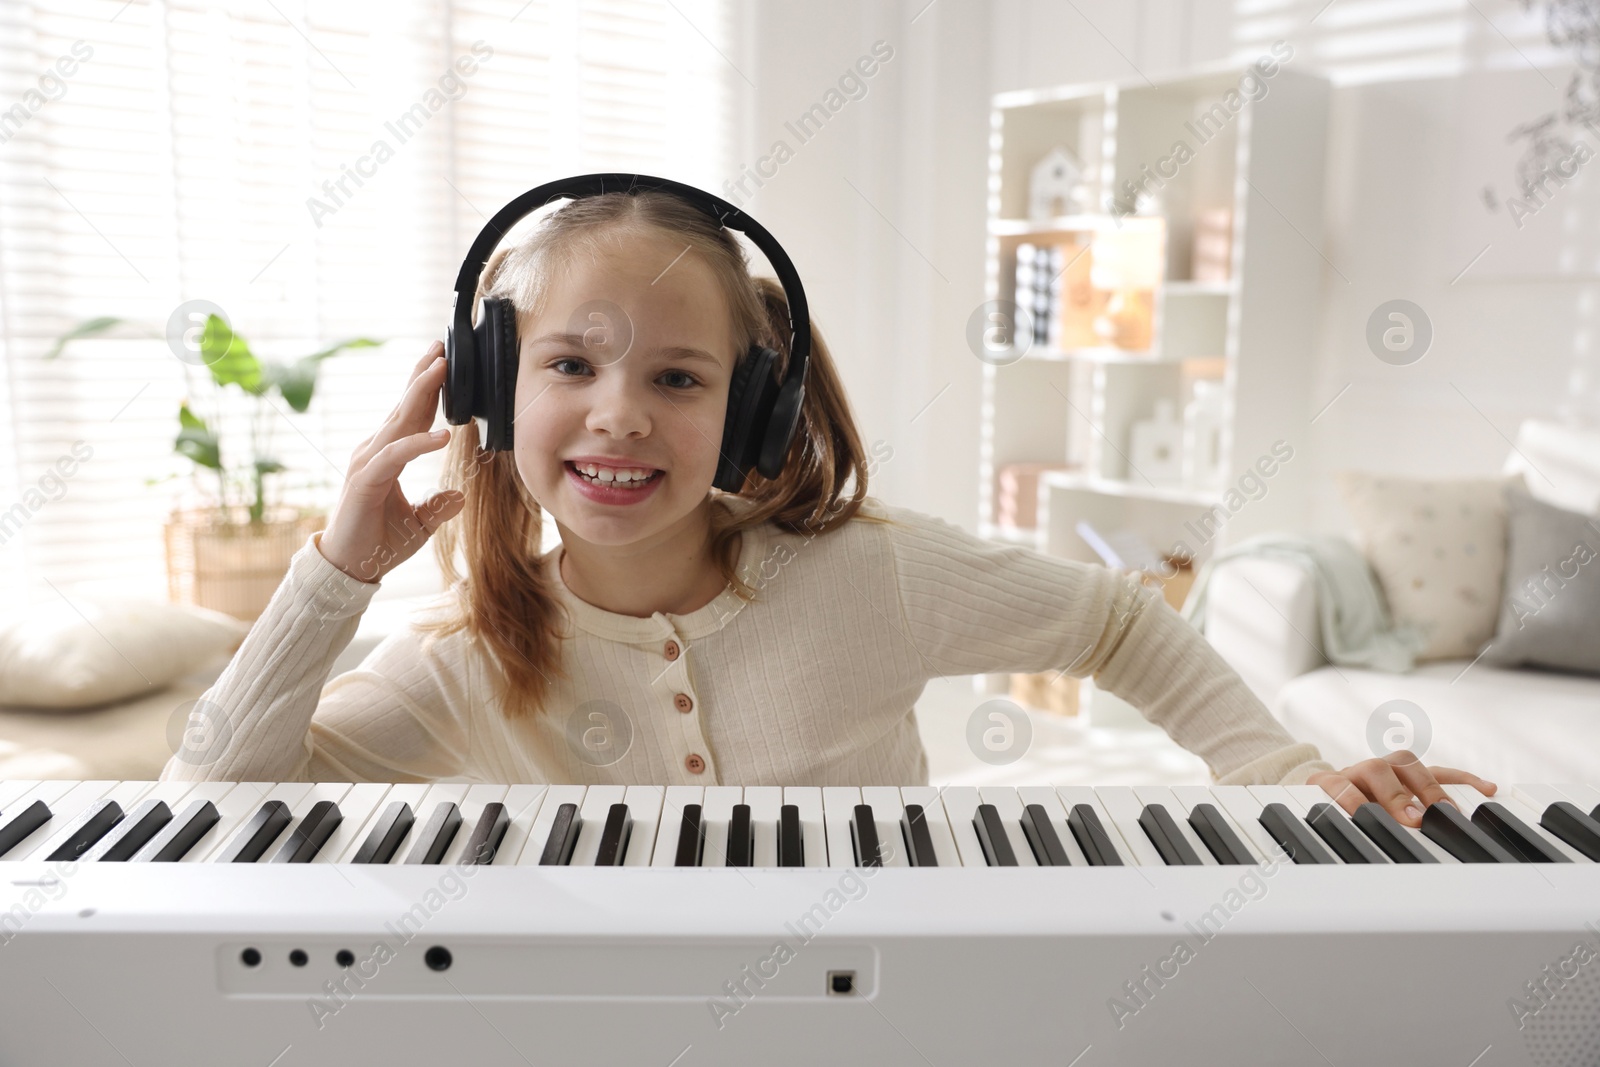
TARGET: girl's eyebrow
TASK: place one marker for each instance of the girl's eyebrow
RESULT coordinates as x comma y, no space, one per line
671,351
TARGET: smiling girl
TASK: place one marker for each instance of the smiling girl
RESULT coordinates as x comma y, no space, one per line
780,635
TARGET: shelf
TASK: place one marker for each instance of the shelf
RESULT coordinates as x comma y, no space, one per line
1169,494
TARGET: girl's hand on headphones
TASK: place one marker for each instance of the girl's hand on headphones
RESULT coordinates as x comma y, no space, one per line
374,528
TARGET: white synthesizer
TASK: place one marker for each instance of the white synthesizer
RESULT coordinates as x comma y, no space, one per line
280,924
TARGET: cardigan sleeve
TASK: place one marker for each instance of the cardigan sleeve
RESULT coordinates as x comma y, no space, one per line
273,715
973,606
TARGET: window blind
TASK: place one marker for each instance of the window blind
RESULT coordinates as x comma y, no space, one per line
316,170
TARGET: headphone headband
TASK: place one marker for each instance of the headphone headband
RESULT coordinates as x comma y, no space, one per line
584,185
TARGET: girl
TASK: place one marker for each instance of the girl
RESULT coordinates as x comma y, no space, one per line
777,636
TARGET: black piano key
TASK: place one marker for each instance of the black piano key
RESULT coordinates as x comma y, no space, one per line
383,841
132,834
741,838
691,837
1595,813
1042,837
1514,835
614,837
791,839
311,834
487,835
1292,836
1163,832
1329,821
22,824
180,835
992,836
919,841
94,823
1567,821
1445,826
436,834
563,837
1214,831
1090,833
1374,820
251,843
864,832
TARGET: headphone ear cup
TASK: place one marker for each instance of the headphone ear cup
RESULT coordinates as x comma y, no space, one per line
750,395
496,378
781,425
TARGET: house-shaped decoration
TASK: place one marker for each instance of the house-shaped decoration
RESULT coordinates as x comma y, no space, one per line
1056,187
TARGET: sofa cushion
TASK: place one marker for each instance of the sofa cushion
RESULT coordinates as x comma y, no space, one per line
1550,609
1508,726
1438,549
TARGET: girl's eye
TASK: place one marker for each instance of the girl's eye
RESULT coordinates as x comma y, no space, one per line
677,379
570,366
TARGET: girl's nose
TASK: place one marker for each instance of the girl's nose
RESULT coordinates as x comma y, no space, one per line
620,408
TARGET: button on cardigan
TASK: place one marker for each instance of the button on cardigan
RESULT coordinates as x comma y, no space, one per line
811,683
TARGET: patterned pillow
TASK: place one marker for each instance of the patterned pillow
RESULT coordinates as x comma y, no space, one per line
1550,616
1439,551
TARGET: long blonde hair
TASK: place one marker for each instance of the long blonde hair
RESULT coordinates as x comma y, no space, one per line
506,600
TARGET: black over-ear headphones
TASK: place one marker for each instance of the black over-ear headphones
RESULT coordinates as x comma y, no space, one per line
481,360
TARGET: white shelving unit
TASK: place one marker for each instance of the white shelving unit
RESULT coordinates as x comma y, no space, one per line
1252,329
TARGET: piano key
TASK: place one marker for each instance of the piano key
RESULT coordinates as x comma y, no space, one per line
1244,808
813,828
644,807
887,805
67,813
1045,796
1040,831
1335,828
353,838
791,841
477,799
673,802
961,808
1292,835
180,833
359,805
930,800
14,789
563,837
716,811
251,841
1300,799
741,839
1571,824
1470,800
1445,825
691,837
1090,831
1514,835
766,802
838,805
864,836
236,808
992,836
22,824
1189,797
310,834
1164,798
1392,839
1216,832
385,834
436,835
487,833
592,815
614,837
1007,804
523,803
919,843
1585,796
131,834
1124,809
539,834
302,807
1162,829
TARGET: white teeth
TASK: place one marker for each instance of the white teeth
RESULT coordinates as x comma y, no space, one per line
628,476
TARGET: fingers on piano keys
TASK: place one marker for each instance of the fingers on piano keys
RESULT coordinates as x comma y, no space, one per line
731,826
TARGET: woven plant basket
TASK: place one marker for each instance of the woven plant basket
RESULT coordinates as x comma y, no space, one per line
233,566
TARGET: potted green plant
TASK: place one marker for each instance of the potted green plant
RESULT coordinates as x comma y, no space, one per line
232,553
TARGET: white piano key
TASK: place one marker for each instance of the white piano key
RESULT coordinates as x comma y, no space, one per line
1585,796
1122,804
13,788
886,811
715,811
522,805
1045,796
644,804
1073,795
1537,797
813,828
47,838
596,806
1244,809
676,798
478,797
1190,796
1009,806
1152,794
838,805
766,804
539,835
354,811
960,808
403,792
933,813
236,808
1468,798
